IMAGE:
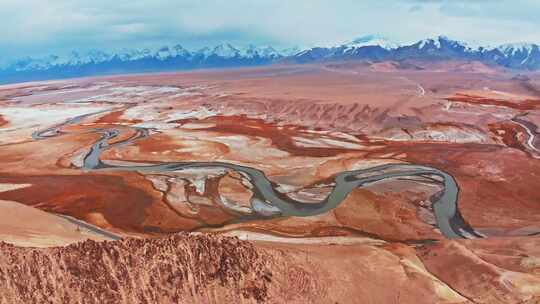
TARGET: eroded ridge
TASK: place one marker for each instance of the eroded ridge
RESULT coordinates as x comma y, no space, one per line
170,270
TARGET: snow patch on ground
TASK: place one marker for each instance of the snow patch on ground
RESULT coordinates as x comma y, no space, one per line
37,117
324,143
200,113
125,94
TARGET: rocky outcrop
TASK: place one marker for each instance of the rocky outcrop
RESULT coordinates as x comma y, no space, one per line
178,269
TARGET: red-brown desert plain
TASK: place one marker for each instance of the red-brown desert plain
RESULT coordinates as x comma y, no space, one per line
219,186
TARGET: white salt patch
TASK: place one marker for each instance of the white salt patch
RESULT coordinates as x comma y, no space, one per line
200,113
31,117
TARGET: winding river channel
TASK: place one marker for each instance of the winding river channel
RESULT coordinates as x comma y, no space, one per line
267,202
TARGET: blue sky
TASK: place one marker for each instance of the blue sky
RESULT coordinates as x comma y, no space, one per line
38,27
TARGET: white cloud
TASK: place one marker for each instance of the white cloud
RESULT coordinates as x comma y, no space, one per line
37,27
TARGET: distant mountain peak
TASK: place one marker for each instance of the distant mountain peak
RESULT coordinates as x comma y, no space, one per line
513,48
371,40
226,50
440,42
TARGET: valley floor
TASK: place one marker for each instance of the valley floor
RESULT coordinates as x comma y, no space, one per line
132,188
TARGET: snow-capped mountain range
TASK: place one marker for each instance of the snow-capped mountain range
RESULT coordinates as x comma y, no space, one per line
251,54
522,56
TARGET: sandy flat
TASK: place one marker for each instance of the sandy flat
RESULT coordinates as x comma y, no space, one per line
26,226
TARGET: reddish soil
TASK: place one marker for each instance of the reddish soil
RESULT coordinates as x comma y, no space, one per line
509,268
527,104
3,122
115,117
301,125
281,136
123,205
510,134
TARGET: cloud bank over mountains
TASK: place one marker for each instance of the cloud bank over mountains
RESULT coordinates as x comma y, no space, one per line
36,27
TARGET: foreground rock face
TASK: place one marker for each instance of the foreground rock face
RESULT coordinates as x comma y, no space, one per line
205,268
186,268
181,268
